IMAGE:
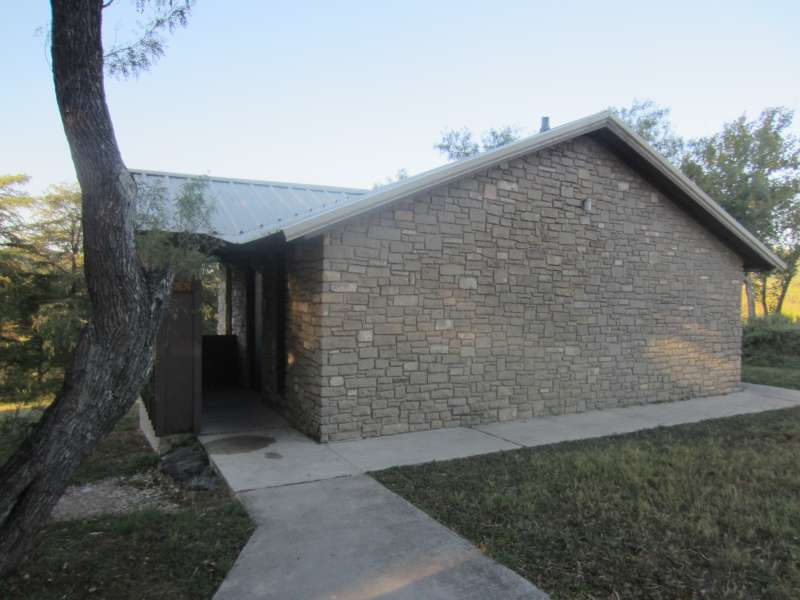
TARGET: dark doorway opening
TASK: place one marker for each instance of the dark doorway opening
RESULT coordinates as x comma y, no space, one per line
244,368
280,332
252,375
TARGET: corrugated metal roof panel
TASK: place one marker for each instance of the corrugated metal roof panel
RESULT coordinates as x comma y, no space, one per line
243,210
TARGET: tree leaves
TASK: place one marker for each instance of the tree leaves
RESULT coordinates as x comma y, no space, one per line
458,144
175,232
166,16
752,168
43,301
652,123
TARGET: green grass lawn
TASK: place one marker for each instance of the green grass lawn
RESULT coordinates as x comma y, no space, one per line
144,554
708,510
787,378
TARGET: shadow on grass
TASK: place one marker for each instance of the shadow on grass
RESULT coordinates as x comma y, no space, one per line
146,554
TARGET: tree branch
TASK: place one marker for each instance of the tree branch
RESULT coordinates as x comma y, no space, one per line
131,59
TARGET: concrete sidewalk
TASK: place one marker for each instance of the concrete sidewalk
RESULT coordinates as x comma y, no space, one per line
327,531
352,539
274,454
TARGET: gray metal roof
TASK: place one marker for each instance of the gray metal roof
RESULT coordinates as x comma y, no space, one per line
250,210
245,210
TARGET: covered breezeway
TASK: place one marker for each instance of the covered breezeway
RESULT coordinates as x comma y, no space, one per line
234,380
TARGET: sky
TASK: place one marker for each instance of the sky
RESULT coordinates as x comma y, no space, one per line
347,93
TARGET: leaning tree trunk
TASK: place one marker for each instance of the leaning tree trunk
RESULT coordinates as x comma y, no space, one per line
115,352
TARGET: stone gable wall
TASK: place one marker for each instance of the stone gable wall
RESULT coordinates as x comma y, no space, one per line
499,297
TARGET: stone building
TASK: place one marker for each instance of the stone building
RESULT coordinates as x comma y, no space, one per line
571,271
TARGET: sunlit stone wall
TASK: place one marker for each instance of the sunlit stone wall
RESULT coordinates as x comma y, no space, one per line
304,312
505,296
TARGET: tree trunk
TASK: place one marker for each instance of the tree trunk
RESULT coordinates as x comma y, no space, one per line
750,294
763,294
785,283
115,351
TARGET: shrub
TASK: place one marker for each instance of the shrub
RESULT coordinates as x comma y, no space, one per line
773,341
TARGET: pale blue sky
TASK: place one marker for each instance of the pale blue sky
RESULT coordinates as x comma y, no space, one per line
346,93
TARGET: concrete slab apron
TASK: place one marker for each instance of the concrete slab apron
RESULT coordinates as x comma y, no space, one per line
352,539
552,430
375,454
272,457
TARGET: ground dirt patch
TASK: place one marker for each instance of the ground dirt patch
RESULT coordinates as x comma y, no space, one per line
118,495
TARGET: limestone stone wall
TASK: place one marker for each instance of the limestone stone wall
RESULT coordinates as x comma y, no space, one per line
302,402
500,297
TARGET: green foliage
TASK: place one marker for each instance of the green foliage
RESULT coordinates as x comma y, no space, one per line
773,341
58,324
43,301
399,176
175,233
652,123
43,298
148,46
211,279
458,144
494,138
12,200
752,168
